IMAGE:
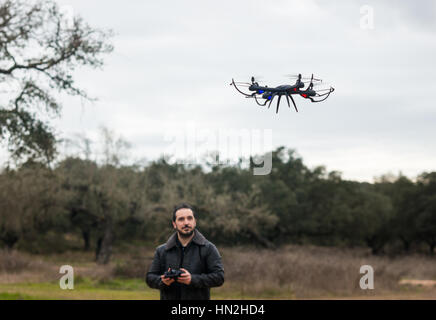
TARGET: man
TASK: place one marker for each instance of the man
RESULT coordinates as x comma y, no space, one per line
188,250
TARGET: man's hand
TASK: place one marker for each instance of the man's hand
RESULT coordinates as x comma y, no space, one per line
165,280
185,277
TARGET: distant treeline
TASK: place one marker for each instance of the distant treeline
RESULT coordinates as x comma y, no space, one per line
95,206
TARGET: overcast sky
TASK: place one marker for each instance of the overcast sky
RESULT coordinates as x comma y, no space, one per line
173,62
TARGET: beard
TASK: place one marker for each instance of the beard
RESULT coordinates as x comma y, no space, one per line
185,234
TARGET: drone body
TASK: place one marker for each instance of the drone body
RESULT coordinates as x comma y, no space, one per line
267,94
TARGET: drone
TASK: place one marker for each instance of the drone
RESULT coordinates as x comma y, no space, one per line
303,87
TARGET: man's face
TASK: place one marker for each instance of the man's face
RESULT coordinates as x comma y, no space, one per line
185,222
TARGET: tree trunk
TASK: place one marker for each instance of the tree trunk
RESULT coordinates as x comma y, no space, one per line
10,239
86,240
375,245
406,244
431,247
261,240
104,244
98,247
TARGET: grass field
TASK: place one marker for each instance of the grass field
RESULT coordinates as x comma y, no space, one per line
118,289
294,272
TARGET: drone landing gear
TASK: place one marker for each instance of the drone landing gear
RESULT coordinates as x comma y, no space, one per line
260,104
325,95
237,89
293,102
278,101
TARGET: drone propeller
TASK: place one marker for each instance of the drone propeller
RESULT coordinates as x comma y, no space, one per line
315,85
314,81
319,84
255,79
310,86
296,76
293,75
329,89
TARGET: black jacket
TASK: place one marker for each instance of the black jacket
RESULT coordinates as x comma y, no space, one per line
201,258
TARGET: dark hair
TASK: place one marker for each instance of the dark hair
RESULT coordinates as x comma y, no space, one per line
182,206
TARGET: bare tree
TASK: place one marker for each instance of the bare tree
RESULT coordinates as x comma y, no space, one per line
39,50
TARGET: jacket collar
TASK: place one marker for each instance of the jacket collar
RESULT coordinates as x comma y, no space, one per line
198,239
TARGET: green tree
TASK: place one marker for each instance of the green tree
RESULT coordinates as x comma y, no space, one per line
78,176
403,194
99,201
426,209
283,191
31,203
374,215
